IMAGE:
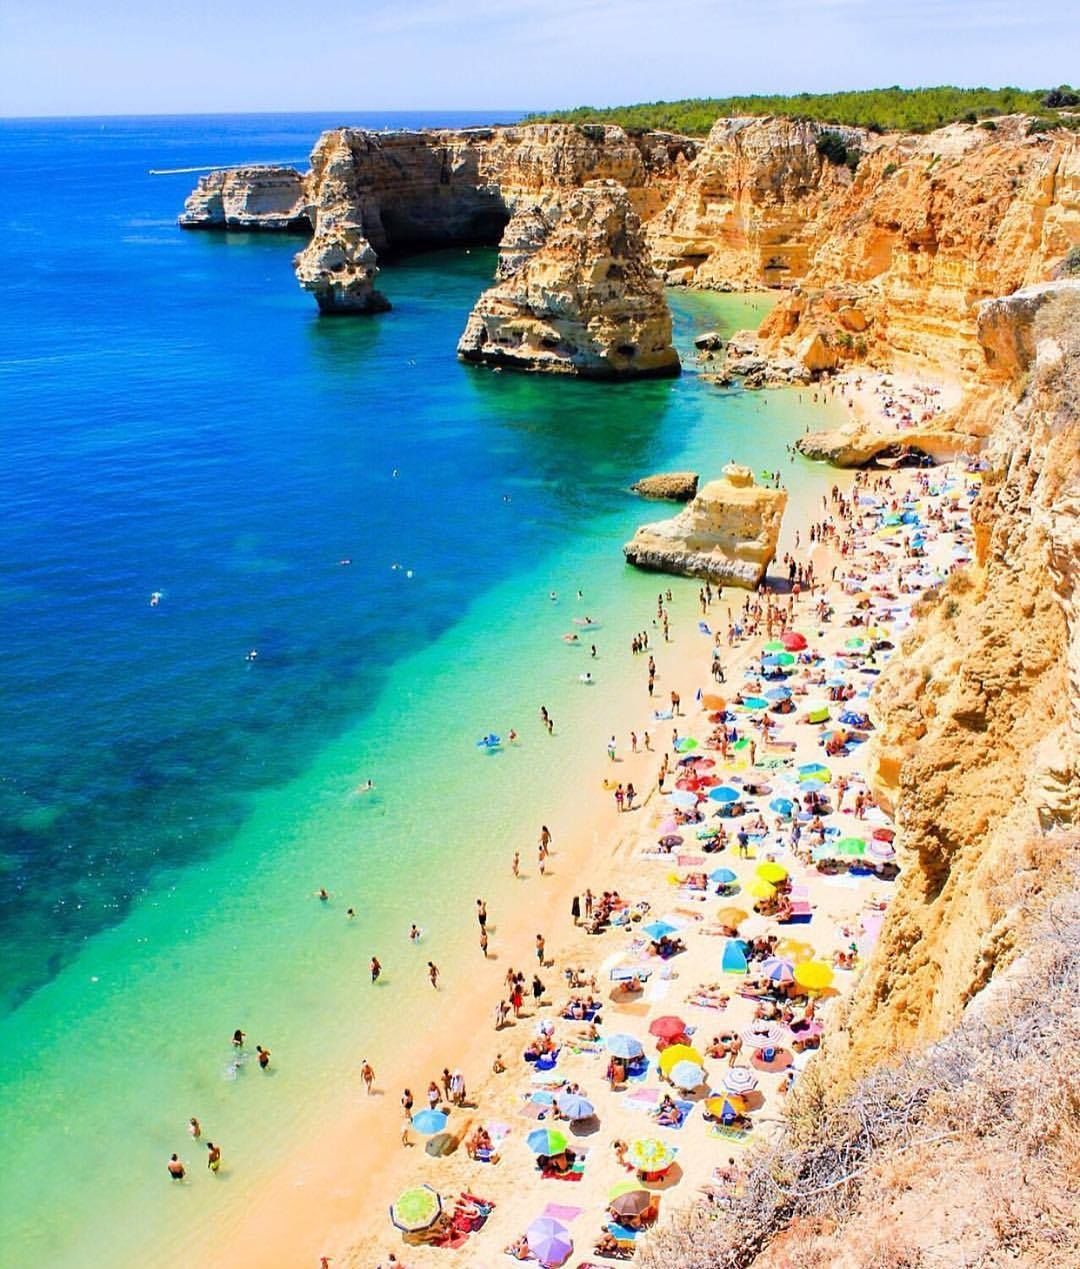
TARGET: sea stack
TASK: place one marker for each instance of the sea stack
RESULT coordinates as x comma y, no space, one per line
577,293
727,534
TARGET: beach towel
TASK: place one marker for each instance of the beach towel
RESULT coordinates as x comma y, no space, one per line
576,1173
624,974
560,1212
642,1099
689,861
533,1110
684,1109
728,1133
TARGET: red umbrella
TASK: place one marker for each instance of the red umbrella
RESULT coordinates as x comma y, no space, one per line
667,1028
792,641
691,786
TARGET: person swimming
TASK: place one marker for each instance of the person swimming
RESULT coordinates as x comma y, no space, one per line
155,598
252,655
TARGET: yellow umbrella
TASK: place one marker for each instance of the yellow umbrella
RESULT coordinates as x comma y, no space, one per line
762,889
676,1053
731,916
813,975
794,950
727,1104
771,872
878,632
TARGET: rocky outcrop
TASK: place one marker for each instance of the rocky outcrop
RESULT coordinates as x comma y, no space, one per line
670,486
338,267
578,294
272,199
928,228
728,533
977,744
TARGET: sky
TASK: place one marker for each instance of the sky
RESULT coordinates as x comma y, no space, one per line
69,57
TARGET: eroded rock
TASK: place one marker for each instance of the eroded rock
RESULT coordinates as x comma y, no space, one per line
727,534
672,486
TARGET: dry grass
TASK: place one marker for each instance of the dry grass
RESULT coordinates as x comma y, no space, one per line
965,1153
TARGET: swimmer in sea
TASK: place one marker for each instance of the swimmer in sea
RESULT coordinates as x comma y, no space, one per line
512,736
264,1056
350,913
238,1038
155,599
252,655
176,1168
194,1127
345,562
553,596
323,894
367,787
213,1158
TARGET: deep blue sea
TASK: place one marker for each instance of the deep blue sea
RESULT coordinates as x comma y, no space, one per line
177,419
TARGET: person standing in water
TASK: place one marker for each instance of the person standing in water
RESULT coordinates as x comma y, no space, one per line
176,1168
238,1038
264,1056
376,969
213,1157
433,974
194,1127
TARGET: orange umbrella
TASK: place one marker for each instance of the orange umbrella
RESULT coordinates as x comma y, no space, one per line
713,702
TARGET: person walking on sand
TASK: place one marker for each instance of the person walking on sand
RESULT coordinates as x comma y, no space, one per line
515,866
367,1074
575,909
631,793
541,857
433,974
484,942
481,913
619,797
588,905
407,1104
376,969
611,749
434,1097
176,1168
540,948
676,702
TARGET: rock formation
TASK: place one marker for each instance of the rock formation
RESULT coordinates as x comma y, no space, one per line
671,486
578,293
727,534
273,199
978,722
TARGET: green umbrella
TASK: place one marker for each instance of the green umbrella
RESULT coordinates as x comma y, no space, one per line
855,642
785,658
416,1209
850,846
774,645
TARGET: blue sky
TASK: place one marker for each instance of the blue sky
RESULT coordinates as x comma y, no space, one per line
145,56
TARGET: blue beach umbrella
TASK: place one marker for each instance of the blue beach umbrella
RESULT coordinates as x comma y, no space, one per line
724,793
778,694
657,930
546,1141
723,877
687,1075
755,702
782,806
574,1106
429,1122
624,1046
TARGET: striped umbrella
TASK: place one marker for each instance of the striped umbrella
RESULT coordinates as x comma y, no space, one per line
764,1036
726,1108
416,1209
739,1079
778,970
650,1154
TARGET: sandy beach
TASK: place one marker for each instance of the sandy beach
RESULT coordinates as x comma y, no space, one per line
354,1168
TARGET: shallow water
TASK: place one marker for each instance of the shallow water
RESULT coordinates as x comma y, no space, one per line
176,418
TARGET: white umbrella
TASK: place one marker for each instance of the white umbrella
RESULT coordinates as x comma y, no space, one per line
740,1079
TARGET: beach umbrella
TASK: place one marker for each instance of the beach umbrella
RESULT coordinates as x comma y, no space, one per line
575,1107
723,876
670,840
731,917
683,799
416,1209
676,1053
755,703
707,782
881,850
724,793
687,1075
549,1241
774,645
624,1046
878,632
669,1027
815,771
656,930
546,1141
764,1036
686,744
771,872
650,1154
739,1079
850,719
725,1108
794,950
782,806
778,694
852,846
785,658
855,642
817,712
704,764
792,641
688,782
630,1202
761,890
813,975
429,1122
711,701
778,970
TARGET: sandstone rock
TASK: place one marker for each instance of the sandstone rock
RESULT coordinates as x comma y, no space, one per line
855,446
816,353
273,199
338,268
584,301
674,486
1006,327
710,340
852,319
728,533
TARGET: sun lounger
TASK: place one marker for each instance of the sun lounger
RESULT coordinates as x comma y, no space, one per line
626,974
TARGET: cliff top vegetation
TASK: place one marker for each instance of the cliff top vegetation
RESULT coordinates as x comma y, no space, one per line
883,109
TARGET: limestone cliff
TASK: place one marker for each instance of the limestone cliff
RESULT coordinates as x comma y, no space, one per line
578,293
250,198
728,533
978,721
669,486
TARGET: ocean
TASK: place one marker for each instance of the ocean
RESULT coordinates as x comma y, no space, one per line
177,420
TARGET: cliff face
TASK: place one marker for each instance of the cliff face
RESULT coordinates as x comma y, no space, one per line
252,198
577,293
728,533
978,742
929,227
752,207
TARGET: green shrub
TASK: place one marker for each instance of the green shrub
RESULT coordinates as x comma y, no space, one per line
989,125
1070,266
889,169
1061,96
832,148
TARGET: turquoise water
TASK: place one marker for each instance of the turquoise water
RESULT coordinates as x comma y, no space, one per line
176,418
